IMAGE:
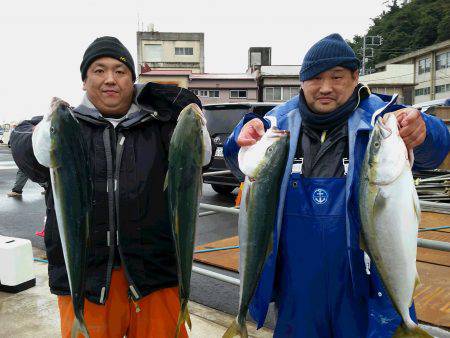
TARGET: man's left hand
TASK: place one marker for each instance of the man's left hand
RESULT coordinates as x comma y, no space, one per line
412,127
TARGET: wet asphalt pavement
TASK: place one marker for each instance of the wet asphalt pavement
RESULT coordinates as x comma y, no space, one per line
22,217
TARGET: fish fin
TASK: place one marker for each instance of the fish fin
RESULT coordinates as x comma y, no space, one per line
248,192
416,207
415,331
417,283
79,327
362,243
166,181
236,329
379,202
269,246
411,157
183,317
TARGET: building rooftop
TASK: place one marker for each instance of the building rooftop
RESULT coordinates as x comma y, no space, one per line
414,54
217,76
280,70
167,72
398,74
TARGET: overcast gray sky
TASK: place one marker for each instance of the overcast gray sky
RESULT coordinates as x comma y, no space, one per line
42,42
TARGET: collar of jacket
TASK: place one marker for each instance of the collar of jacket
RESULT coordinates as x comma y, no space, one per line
154,101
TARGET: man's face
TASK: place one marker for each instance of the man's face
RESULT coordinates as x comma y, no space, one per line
109,86
329,90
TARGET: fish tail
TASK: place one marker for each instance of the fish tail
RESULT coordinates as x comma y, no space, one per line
79,327
183,317
236,329
410,330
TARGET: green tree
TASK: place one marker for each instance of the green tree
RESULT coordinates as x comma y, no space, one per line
405,28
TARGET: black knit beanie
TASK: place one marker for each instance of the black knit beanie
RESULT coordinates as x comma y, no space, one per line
106,46
327,53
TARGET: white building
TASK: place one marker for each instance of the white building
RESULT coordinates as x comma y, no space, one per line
431,71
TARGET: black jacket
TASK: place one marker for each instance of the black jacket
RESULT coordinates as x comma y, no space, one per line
130,216
323,159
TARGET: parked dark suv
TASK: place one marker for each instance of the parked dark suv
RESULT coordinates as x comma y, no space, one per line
222,118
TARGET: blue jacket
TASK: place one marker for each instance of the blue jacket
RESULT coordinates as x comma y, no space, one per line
429,155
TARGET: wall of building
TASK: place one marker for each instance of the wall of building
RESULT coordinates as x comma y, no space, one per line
168,51
222,83
180,81
167,57
280,81
224,95
401,74
443,76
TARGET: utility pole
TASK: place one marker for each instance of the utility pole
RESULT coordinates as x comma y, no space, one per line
369,41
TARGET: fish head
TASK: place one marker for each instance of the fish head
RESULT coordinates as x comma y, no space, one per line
44,134
195,110
268,151
387,151
61,123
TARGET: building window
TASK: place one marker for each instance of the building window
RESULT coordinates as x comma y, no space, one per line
184,51
280,93
255,59
442,61
439,89
424,65
238,94
205,93
422,91
213,93
153,53
289,92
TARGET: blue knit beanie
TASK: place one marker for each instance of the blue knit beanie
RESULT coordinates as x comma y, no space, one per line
327,53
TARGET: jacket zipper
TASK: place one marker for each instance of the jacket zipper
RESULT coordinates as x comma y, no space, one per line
110,192
134,292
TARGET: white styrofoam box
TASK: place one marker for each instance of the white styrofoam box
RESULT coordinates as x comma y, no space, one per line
16,261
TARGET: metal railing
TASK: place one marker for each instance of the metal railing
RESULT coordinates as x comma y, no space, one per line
214,209
219,172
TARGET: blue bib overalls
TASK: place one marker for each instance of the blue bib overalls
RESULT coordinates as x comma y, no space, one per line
313,287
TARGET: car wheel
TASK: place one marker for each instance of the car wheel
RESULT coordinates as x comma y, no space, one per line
222,189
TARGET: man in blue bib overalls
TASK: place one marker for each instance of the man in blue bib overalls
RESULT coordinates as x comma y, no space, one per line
321,281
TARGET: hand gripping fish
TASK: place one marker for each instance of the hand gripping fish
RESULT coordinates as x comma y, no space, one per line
390,215
263,164
59,145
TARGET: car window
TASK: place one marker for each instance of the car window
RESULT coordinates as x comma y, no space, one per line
262,110
223,121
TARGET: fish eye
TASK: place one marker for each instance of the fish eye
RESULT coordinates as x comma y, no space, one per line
52,130
270,149
376,144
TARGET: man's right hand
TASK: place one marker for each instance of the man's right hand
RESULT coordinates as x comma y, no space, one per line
250,133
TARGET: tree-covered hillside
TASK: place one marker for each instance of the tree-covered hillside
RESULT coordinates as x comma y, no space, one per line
405,28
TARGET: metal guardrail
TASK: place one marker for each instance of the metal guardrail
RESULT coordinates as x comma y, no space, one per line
214,173
215,275
218,208
213,209
434,245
